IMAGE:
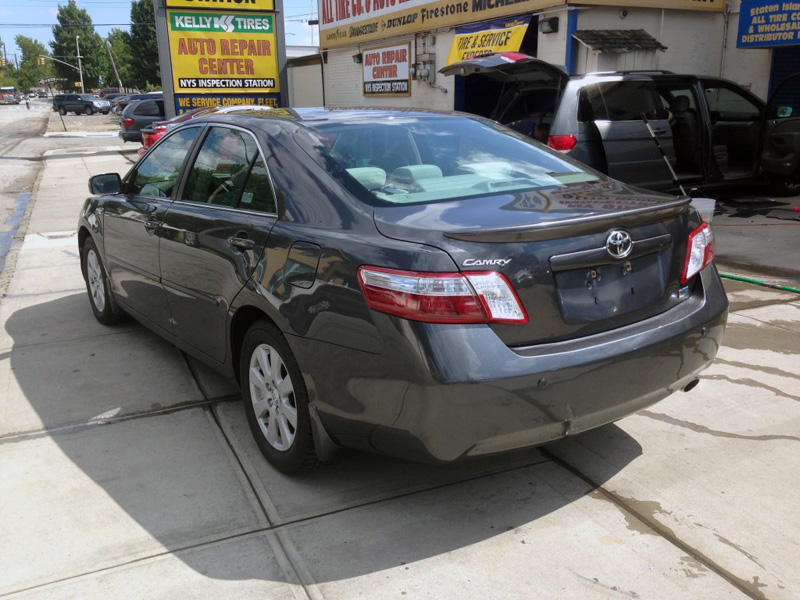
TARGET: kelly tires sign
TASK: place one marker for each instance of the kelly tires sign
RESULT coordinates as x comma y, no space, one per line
231,52
386,71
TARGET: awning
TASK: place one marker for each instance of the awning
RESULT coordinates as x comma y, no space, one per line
618,40
489,37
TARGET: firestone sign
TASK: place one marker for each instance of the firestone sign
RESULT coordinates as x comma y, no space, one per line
350,22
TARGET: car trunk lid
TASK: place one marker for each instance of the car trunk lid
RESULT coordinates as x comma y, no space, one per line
553,247
508,66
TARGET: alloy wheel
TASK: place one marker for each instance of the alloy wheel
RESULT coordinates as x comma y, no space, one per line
97,284
272,395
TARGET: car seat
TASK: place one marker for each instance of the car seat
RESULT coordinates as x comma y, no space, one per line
685,135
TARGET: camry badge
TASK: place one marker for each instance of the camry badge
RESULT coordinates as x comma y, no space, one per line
487,262
619,243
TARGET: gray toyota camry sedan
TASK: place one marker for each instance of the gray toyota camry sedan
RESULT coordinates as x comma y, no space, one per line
426,285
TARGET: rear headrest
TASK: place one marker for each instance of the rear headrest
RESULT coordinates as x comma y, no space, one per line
412,173
372,178
679,104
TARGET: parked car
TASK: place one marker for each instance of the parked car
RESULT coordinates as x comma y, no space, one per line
119,103
132,97
140,114
714,132
426,285
42,94
80,104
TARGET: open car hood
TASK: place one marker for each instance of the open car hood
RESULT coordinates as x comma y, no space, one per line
508,66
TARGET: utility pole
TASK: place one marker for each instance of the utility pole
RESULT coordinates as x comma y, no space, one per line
80,69
113,64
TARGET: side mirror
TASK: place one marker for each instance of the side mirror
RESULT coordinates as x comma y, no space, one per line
107,183
784,111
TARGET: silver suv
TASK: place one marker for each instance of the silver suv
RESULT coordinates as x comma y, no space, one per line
714,132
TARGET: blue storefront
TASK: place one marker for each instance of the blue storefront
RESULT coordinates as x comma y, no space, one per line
775,25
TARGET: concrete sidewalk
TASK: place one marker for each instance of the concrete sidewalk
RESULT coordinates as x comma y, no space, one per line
128,472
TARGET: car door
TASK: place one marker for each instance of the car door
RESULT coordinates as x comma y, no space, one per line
132,228
214,235
616,107
736,119
69,102
781,149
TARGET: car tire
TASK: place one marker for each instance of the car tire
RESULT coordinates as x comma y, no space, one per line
276,400
94,273
89,110
784,187
62,110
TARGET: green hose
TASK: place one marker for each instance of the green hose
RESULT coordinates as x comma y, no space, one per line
775,286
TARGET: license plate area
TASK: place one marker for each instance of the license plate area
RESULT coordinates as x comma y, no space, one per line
605,291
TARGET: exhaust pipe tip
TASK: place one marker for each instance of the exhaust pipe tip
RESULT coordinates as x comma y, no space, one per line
691,385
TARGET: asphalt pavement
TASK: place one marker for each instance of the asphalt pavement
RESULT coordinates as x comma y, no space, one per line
128,471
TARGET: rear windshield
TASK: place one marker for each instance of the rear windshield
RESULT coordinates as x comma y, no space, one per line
433,159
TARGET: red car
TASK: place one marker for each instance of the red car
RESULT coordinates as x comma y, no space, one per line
153,133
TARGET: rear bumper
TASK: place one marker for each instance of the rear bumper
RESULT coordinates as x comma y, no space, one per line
131,136
439,393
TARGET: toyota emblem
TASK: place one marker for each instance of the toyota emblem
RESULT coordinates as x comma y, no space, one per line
619,243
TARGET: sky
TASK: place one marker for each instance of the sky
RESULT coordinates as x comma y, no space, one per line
35,19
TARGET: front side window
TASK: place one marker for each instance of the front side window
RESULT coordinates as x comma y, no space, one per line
437,158
219,173
726,104
157,173
619,101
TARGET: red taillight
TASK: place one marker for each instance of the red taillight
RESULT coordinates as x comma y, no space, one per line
147,140
699,253
127,122
562,143
474,297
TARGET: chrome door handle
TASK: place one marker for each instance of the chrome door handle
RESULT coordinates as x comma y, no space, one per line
241,243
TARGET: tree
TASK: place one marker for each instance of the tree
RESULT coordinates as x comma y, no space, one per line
31,67
146,69
72,22
120,42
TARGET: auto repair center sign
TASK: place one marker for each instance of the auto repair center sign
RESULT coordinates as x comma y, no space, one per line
223,53
386,71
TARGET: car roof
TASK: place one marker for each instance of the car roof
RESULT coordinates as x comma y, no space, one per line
253,116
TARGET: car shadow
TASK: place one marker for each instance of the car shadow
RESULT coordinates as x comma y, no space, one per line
357,497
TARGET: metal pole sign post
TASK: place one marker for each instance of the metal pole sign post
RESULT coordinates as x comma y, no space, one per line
220,56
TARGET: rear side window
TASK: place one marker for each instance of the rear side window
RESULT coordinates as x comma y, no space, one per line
726,104
147,108
257,193
219,173
619,101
